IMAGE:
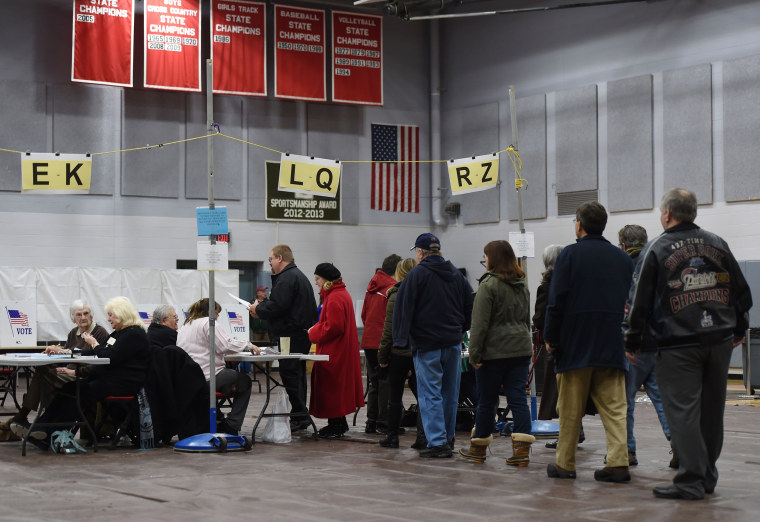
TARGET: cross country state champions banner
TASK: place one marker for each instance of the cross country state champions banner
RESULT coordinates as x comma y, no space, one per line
238,47
299,53
357,69
102,42
172,45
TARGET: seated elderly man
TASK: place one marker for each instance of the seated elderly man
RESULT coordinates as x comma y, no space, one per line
46,381
163,327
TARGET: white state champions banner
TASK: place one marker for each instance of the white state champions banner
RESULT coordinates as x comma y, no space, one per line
102,42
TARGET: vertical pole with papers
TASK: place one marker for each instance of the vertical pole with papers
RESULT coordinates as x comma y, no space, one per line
211,297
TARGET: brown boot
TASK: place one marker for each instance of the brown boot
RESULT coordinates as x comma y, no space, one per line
478,447
521,449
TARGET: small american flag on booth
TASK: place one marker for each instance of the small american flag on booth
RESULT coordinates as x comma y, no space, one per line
235,318
18,318
395,168
146,318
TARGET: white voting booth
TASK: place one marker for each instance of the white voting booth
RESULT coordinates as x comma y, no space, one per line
18,326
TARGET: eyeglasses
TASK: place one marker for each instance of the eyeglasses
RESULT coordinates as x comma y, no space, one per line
483,262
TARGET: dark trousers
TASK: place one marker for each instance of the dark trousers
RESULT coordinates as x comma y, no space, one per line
693,390
293,374
377,391
512,373
398,372
238,384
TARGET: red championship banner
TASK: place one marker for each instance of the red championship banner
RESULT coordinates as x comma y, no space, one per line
238,47
299,53
172,44
357,75
102,42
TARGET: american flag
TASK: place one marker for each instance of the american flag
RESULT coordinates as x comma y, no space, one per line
146,318
235,318
396,182
19,318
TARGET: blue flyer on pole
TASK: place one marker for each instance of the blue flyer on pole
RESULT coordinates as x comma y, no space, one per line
211,221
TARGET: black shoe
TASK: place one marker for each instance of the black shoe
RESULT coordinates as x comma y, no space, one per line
299,424
674,492
420,443
632,460
552,444
225,427
20,427
370,427
615,474
673,461
581,436
451,444
390,441
555,471
330,432
437,452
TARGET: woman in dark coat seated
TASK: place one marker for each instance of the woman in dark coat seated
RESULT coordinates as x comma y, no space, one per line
127,349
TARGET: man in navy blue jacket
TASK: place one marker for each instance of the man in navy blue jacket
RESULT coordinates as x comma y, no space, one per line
582,331
433,310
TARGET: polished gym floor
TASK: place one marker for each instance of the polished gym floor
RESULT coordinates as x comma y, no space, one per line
354,479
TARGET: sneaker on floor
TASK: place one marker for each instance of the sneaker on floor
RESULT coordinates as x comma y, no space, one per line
330,432
20,427
299,424
632,460
552,444
612,474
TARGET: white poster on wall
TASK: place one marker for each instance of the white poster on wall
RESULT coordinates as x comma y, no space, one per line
19,323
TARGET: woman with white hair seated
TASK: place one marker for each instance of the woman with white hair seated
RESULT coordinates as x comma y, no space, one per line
128,351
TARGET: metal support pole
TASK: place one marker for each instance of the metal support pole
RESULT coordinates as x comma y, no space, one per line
211,297
747,349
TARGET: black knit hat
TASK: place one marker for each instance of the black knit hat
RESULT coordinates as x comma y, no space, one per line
327,271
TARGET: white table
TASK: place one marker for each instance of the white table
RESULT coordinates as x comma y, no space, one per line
266,369
31,360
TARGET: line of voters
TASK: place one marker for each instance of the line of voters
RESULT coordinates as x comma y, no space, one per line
663,314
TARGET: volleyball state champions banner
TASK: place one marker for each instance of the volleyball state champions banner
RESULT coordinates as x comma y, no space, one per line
299,53
357,69
102,42
238,47
172,45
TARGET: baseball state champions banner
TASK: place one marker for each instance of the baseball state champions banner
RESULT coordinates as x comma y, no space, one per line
172,45
102,42
238,47
299,53
357,75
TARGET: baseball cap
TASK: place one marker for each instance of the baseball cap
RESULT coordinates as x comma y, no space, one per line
427,241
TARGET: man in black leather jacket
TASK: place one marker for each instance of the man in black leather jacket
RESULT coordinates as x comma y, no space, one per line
690,296
290,310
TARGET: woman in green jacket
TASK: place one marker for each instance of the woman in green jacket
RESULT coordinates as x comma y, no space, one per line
500,351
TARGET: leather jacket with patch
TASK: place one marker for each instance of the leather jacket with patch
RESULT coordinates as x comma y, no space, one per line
687,290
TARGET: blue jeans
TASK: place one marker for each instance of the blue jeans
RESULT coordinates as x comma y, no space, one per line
638,374
512,373
438,391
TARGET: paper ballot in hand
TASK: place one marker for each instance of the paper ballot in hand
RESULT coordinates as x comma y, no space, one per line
241,301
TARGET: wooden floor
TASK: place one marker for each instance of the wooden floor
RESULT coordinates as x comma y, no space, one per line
356,479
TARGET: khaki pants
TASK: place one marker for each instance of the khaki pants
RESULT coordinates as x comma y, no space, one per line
606,386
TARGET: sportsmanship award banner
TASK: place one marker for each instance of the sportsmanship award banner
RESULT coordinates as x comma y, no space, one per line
172,45
357,75
102,42
299,53
238,47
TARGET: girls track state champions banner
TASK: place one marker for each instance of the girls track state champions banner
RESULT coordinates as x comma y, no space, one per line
238,47
299,53
102,42
172,47
357,75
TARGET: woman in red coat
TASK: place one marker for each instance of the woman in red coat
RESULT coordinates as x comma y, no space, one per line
336,385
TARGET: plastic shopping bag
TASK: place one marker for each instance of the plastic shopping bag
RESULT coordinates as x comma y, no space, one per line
277,429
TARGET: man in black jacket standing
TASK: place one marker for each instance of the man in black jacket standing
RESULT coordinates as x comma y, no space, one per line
689,294
290,310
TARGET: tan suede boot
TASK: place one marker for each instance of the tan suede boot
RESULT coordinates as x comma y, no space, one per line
477,450
521,449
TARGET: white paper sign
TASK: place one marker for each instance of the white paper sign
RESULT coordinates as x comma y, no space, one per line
524,245
18,323
213,257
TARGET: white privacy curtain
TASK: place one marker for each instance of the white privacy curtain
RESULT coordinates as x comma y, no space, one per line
55,288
